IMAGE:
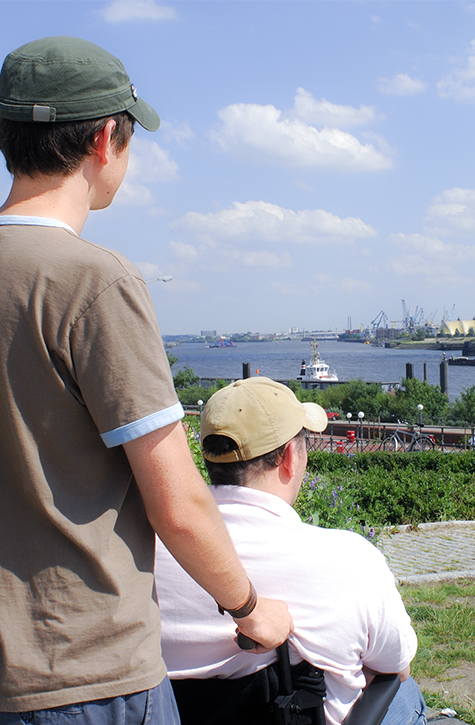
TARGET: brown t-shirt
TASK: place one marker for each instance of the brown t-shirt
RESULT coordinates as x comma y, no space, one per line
80,356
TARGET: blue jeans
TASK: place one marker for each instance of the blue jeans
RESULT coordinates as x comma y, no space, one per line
151,707
408,707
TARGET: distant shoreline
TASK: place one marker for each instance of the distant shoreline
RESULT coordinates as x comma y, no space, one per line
444,345
431,344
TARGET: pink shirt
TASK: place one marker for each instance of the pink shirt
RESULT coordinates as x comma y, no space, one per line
341,594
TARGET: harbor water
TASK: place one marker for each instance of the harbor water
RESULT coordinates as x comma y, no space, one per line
282,360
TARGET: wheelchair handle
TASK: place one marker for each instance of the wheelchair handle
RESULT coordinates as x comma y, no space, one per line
245,642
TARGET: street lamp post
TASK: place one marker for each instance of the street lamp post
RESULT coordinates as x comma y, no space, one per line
360,418
167,278
349,433
420,408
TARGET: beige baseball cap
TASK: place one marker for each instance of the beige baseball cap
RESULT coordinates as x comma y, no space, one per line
259,415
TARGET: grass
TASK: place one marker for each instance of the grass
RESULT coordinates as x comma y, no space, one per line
443,615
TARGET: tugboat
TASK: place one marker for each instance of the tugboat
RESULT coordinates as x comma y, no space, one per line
317,371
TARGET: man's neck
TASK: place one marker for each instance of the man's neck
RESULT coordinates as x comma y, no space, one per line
56,197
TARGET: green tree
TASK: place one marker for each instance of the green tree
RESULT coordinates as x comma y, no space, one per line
185,378
332,397
419,335
463,408
172,359
361,396
405,402
306,395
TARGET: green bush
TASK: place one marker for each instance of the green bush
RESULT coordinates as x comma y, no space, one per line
185,378
378,489
192,428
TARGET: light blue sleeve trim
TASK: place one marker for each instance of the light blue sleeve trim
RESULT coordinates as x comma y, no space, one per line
138,428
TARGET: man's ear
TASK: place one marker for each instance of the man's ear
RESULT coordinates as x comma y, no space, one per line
290,459
103,142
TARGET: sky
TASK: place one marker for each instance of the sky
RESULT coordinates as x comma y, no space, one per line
315,161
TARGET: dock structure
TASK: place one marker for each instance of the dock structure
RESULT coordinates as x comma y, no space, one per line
386,386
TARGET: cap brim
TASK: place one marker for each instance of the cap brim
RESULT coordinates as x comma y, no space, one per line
145,115
316,419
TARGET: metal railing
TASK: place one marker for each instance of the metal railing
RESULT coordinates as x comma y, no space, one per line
341,437
374,437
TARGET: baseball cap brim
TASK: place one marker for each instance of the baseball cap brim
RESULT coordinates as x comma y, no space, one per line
316,419
145,115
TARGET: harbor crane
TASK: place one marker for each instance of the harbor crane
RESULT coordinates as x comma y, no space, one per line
381,320
411,322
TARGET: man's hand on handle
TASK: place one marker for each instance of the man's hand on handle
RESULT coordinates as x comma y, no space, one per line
268,625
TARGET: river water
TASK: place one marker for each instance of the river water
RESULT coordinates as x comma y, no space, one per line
281,361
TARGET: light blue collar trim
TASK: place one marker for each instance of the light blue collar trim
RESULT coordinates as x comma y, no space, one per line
36,221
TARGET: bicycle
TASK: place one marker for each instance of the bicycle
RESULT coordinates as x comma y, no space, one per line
418,441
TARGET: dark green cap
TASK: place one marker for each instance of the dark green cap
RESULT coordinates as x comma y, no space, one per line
68,79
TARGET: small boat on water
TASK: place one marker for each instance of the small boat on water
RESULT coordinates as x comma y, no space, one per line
462,360
223,342
317,370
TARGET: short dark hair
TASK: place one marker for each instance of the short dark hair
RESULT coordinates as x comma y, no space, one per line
33,148
235,472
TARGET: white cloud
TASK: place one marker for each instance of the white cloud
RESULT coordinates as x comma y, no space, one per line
148,164
401,85
149,270
419,256
134,194
121,11
328,282
414,265
264,133
324,113
259,220
184,251
418,243
322,284
288,289
422,256
304,185
460,82
259,258
180,133
451,212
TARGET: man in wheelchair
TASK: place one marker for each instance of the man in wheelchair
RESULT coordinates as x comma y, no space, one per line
349,618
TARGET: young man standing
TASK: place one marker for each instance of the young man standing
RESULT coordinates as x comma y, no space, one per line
93,458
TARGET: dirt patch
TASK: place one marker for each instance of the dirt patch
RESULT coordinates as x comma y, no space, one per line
458,684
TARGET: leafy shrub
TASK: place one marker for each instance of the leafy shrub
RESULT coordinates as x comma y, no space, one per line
331,506
407,488
192,429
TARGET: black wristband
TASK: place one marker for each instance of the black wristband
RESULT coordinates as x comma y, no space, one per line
245,609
